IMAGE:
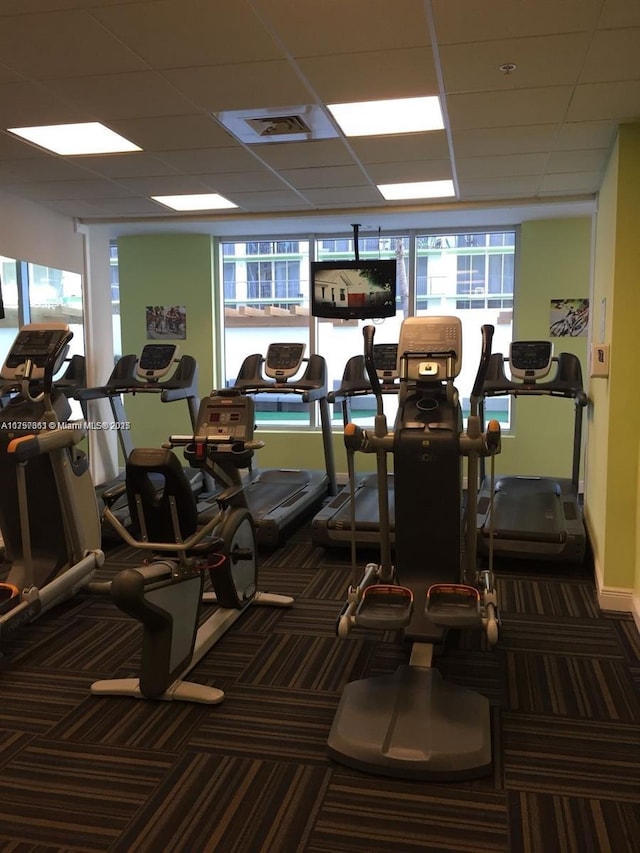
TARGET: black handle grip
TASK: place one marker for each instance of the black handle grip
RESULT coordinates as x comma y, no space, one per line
487,337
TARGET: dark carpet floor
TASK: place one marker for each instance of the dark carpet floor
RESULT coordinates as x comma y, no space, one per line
251,775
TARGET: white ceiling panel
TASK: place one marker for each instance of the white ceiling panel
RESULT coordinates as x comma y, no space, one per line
506,165
184,33
240,86
156,71
541,61
62,44
343,78
106,97
326,27
470,21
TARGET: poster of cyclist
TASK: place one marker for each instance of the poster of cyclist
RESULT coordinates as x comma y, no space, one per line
569,318
166,322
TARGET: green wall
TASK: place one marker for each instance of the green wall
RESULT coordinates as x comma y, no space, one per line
553,262
166,269
611,496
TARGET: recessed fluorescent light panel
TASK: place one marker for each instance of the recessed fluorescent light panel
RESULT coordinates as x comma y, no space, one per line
378,118
89,137
197,201
417,189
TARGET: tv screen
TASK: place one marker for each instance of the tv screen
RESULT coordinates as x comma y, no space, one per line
353,290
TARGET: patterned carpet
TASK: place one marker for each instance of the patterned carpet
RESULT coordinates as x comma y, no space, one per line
82,773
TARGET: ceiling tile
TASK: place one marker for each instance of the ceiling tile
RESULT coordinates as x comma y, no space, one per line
321,176
26,104
334,196
291,155
184,33
540,61
586,134
39,169
164,185
613,55
195,161
282,199
243,182
491,188
470,21
619,13
572,182
409,170
62,44
503,109
326,27
410,146
591,160
597,101
373,75
136,164
65,190
505,165
118,96
168,133
504,140
241,85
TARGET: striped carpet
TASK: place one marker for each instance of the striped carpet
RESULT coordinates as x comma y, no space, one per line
81,773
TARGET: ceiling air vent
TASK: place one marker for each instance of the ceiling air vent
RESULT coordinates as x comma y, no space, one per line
278,125
291,123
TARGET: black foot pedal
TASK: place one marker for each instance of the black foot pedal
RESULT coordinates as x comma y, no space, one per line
385,606
453,605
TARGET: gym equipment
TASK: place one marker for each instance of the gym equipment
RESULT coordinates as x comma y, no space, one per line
332,525
158,370
45,477
535,517
280,497
413,724
167,594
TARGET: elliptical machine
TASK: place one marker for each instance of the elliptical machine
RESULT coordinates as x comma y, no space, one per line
167,594
43,476
413,724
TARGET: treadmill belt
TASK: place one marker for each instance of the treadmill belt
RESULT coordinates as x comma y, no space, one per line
367,514
528,509
276,488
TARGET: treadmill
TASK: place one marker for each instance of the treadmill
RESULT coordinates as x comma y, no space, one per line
331,527
158,370
535,517
280,497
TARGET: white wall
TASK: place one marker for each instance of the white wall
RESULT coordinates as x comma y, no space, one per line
30,232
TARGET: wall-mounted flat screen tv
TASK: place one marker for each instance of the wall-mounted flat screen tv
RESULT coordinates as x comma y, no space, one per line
353,290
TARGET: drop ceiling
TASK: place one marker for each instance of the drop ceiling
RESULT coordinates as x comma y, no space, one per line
164,72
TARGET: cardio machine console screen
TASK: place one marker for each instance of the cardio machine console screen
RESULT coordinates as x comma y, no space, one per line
156,360
39,345
385,357
530,360
225,419
283,360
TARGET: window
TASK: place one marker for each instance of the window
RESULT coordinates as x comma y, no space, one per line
266,299
11,323
470,275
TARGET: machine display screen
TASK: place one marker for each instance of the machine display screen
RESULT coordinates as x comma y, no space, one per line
157,356
385,357
531,355
34,342
284,356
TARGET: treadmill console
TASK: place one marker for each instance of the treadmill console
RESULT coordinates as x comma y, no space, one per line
156,361
44,346
385,357
283,361
530,360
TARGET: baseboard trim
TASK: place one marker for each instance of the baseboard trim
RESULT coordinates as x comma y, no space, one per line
619,599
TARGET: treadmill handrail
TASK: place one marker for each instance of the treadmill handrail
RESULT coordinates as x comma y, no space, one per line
567,381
